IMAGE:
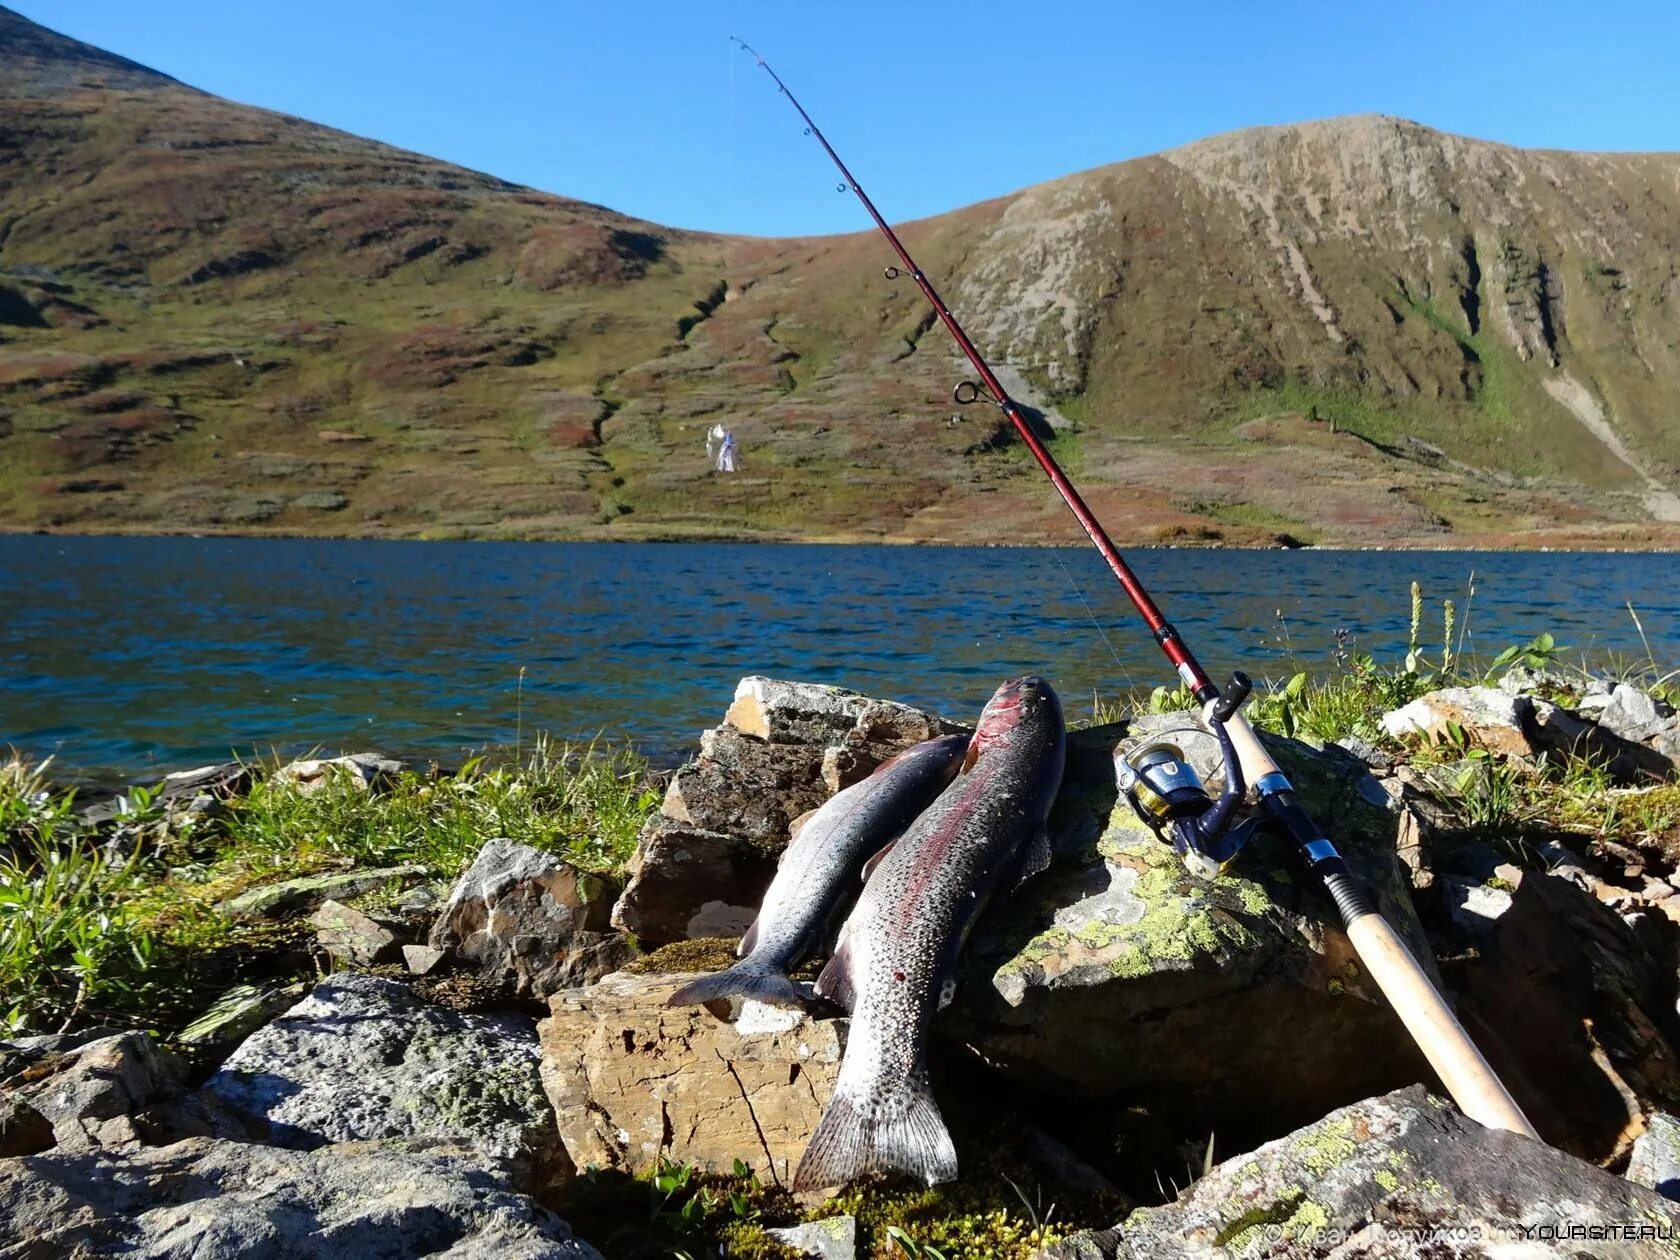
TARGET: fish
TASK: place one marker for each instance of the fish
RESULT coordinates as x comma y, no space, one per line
820,870
894,967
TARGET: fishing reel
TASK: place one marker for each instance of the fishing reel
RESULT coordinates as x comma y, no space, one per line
1170,797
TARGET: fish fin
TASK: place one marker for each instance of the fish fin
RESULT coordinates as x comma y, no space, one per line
835,982
1035,858
869,866
897,1129
748,941
742,980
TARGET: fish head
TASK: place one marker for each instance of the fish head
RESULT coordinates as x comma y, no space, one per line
1018,703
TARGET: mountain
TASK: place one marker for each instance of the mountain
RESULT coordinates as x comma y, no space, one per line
215,317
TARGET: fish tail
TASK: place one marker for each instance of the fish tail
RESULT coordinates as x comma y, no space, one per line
898,1129
745,979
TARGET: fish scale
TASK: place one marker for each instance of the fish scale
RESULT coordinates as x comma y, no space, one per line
899,946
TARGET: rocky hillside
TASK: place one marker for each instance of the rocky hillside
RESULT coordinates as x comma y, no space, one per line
214,317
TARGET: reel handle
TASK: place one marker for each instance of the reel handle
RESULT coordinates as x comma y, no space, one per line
1231,699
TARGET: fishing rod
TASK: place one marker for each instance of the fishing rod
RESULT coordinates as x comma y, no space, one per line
1161,786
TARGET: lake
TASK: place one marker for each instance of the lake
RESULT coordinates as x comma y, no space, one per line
133,656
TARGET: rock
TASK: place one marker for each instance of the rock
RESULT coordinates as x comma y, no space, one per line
94,1093
296,896
350,936
1568,1006
1557,730
702,865
365,771
633,1080
185,794
240,1012
746,787
1492,718
832,1239
422,960
525,918
1403,1175
219,1200
1656,1156
1632,714
1116,974
23,1130
809,713
361,1057
683,882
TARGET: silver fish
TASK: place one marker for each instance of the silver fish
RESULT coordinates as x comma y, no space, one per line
895,962
819,870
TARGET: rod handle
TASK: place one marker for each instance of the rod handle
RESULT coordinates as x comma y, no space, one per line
1426,1015
1256,762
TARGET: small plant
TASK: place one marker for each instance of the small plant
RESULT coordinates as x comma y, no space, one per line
911,1248
1540,652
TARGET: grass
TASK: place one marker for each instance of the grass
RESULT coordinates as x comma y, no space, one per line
95,925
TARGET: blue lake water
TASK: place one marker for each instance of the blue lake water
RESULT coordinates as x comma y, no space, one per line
132,656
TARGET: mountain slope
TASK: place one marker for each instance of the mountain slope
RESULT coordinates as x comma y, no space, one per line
217,317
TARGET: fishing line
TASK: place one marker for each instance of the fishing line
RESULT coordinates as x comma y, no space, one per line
1068,573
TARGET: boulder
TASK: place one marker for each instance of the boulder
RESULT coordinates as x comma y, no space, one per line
362,1057
633,1080
219,1200
93,1094
702,864
299,896
1656,1156
1403,1175
351,937
1118,974
363,771
526,919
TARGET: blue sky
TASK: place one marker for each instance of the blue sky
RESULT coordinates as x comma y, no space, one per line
933,105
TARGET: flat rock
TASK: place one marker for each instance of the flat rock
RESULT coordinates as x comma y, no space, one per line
782,712
531,921
350,936
362,1057
1403,1175
1118,974
220,1200
1492,718
422,960
239,1012
633,1080
299,896
832,1239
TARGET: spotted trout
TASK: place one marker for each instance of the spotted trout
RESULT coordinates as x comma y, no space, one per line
895,964
820,868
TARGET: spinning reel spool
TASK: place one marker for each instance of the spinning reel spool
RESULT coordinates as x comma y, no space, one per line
1168,793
